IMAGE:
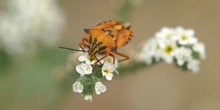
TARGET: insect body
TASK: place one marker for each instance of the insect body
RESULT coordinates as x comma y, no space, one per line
105,38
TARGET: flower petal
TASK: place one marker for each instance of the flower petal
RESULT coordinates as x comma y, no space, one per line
109,76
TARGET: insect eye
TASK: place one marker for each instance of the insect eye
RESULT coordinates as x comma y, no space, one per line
86,30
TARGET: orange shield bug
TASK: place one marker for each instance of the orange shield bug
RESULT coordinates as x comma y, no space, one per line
105,39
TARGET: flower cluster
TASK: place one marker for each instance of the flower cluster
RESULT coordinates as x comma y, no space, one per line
91,70
177,45
26,23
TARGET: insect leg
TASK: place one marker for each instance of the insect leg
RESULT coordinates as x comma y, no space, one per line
122,55
84,43
101,58
98,60
81,45
112,55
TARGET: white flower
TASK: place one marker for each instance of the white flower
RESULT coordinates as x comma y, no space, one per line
84,68
12,33
166,33
182,55
107,70
154,47
28,23
99,88
185,36
88,98
86,58
150,51
78,87
200,48
148,58
193,65
168,49
109,59
171,44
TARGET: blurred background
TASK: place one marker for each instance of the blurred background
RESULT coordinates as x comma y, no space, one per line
34,74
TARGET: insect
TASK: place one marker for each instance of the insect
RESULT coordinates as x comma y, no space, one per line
105,39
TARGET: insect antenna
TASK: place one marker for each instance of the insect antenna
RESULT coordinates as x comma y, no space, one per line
72,49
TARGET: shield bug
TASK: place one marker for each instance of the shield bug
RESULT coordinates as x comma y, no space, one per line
105,39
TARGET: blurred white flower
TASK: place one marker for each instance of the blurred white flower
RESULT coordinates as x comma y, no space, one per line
26,23
107,70
11,35
147,58
78,87
100,88
174,44
150,51
193,65
185,36
84,68
200,48
154,48
88,98
168,49
183,55
166,33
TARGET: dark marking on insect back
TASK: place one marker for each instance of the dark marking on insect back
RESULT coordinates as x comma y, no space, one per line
103,30
128,40
110,33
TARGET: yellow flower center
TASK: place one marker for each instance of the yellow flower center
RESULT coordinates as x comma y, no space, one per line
109,60
184,37
168,49
91,58
106,71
